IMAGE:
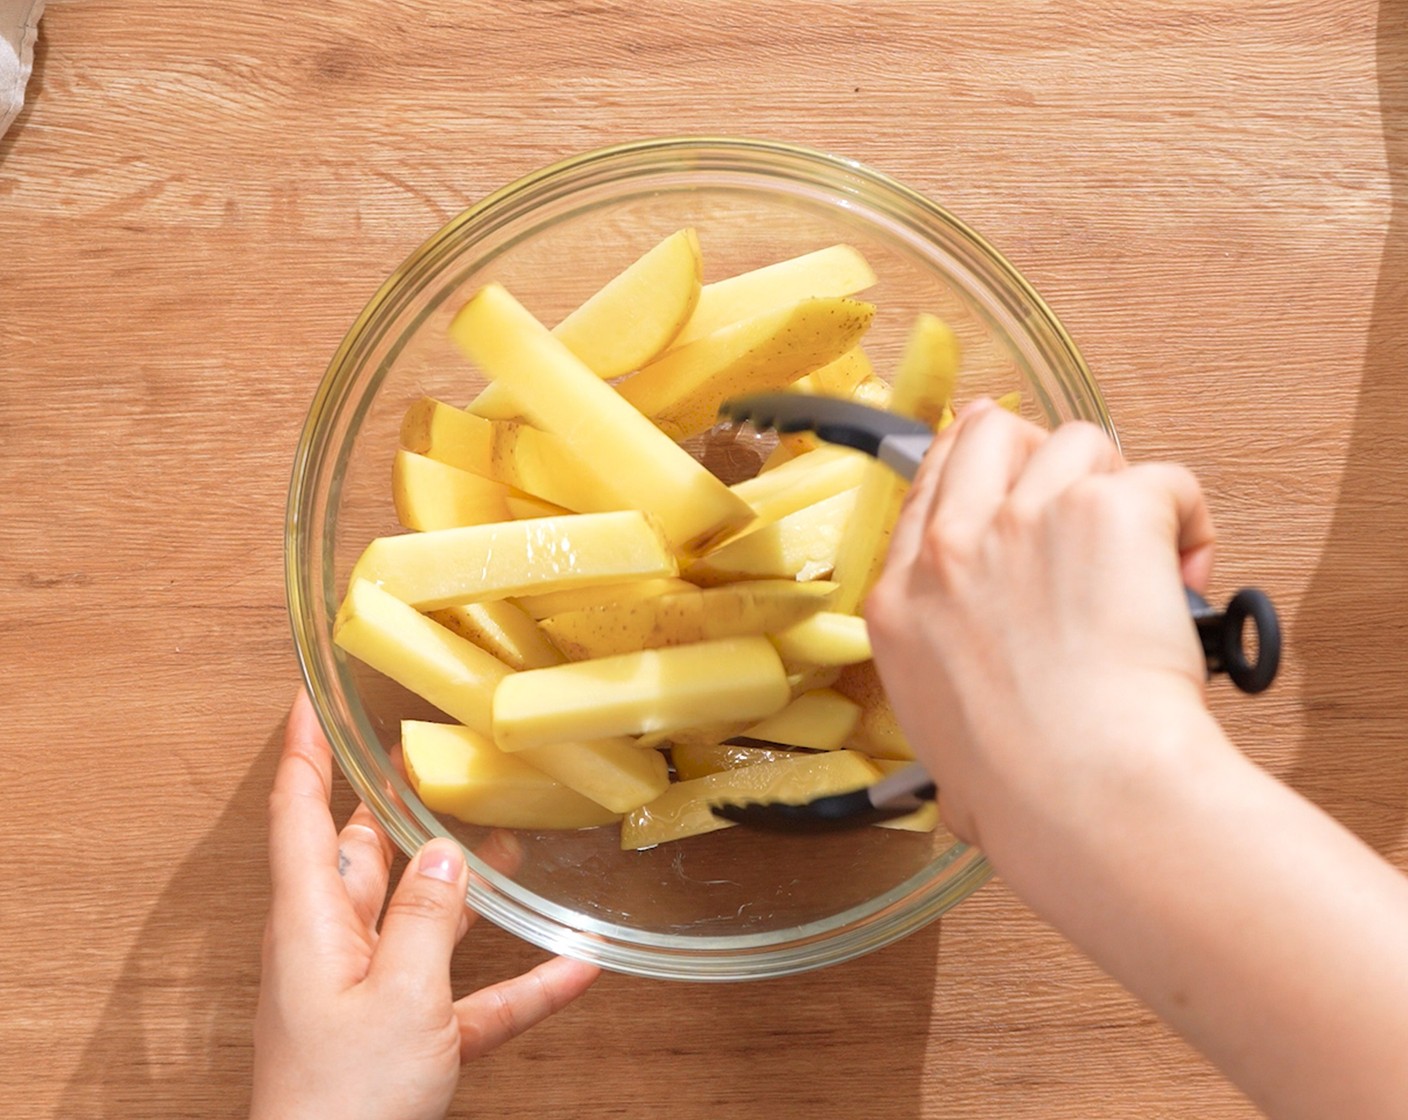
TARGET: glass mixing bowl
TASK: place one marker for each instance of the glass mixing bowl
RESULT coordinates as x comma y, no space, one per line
734,904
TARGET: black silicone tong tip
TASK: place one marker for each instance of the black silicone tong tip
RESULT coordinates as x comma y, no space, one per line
833,419
825,814
895,795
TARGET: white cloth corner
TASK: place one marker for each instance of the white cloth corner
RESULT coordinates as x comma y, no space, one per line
19,26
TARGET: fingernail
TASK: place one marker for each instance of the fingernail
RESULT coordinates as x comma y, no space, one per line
974,407
441,859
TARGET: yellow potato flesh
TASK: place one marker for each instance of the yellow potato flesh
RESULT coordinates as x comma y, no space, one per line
628,322
545,467
612,594
657,690
503,629
684,809
838,378
696,760
482,562
462,774
756,607
923,387
523,458
808,678
612,771
821,720
432,495
878,733
681,391
802,546
834,271
449,435
419,654
709,733
523,507
556,466
801,482
873,392
459,678
645,468
928,371
826,638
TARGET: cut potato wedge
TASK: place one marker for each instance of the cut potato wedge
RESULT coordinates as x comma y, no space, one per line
538,596
701,735
834,271
681,392
808,678
923,387
826,638
513,454
525,507
645,468
540,607
459,678
482,562
628,322
636,693
821,721
838,378
614,772
755,607
449,435
874,392
503,629
696,760
460,773
800,546
878,733
419,654
432,495
639,313
801,482
684,809
547,468
928,371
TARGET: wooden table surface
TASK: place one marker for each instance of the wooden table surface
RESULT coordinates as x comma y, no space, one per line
199,198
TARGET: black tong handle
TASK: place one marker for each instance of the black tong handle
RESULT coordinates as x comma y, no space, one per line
1223,634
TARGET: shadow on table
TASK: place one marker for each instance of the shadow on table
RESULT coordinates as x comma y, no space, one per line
1353,760
173,1039
177,1021
846,1042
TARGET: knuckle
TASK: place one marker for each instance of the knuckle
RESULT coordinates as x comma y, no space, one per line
1082,433
422,905
948,546
1097,498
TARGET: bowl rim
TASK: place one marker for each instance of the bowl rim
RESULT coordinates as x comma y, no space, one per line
882,920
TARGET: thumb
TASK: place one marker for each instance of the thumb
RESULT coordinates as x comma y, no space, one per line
424,920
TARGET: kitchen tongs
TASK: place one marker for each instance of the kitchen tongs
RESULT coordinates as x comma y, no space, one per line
900,443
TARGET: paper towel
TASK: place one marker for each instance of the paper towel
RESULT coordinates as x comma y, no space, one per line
19,25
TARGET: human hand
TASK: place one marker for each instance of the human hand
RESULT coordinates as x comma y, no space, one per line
356,1022
1031,620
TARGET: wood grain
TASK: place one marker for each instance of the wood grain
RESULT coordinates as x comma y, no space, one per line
196,203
